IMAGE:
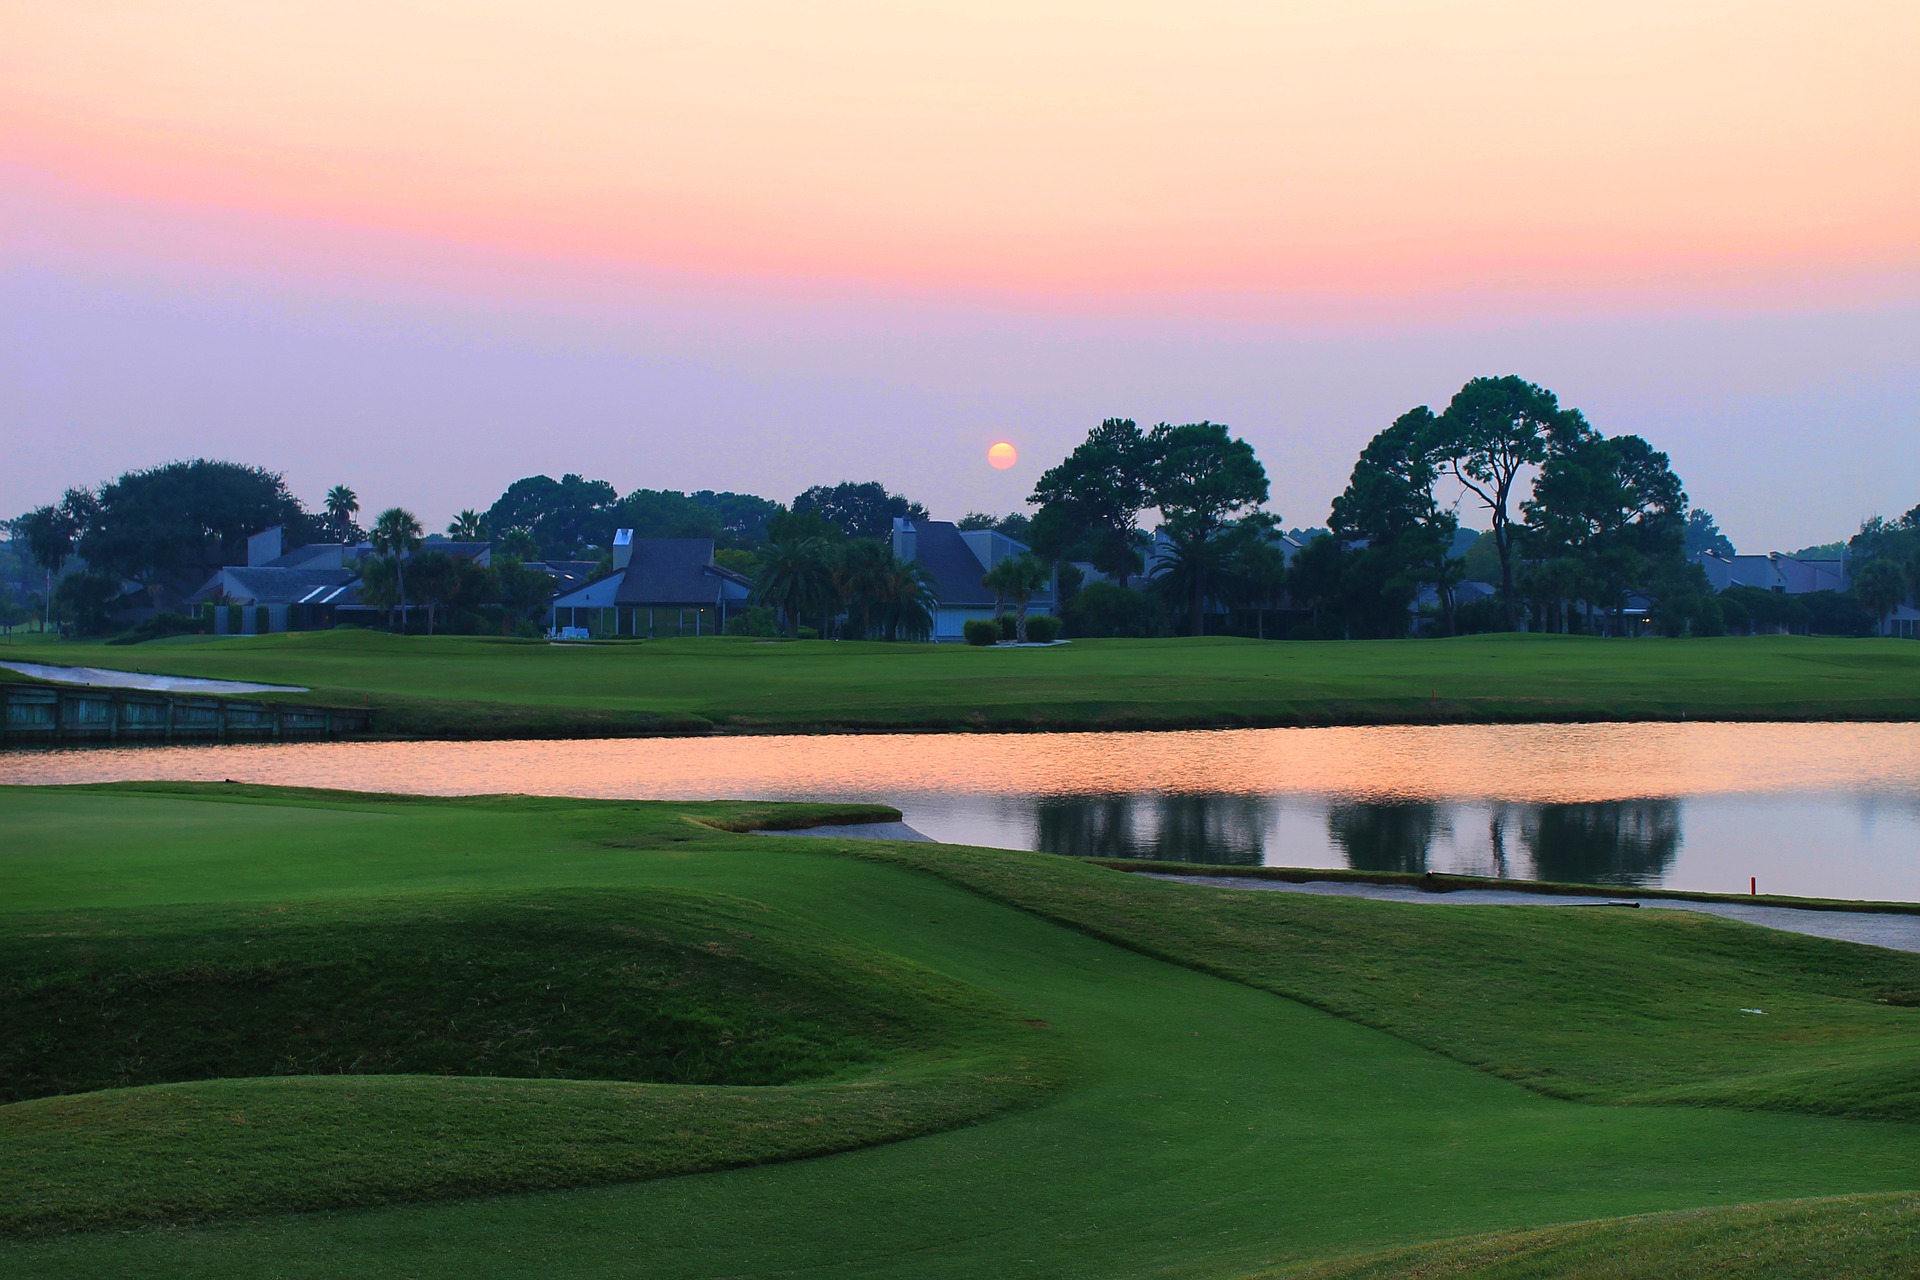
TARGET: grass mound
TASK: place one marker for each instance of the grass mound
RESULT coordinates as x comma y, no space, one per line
1839,1238
675,987
368,1014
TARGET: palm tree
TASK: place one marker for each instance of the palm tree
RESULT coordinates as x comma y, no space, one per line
519,544
1019,577
469,526
1881,587
342,504
436,580
862,577
396,535
906,599
794,576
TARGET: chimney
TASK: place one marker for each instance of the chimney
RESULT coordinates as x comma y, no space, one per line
622,548
265,546
906,539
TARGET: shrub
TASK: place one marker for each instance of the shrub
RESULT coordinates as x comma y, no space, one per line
1482,615
159,625
1103,609
1043,628
1833,613
1009,632
1735,615
757,621
806,633
981,631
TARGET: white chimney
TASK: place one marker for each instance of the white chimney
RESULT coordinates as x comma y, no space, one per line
622,548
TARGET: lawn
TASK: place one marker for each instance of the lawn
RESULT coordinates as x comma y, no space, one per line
503,1035
460,686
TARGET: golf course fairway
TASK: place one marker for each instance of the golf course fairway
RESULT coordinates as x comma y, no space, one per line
480,687
891,1060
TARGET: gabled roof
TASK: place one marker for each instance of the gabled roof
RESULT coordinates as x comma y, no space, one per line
672,571
954,560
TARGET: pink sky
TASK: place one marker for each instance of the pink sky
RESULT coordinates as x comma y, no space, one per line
426,248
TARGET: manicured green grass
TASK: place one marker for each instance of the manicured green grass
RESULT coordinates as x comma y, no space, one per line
1199,1126
1844,1238
473,687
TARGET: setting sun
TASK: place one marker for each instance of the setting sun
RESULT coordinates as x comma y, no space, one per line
1002,455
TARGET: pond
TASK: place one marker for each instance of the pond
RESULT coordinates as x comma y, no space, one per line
1827,810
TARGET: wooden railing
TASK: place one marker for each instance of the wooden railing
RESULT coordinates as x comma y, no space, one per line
33,715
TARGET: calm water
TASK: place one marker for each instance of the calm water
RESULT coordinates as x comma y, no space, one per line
1827,810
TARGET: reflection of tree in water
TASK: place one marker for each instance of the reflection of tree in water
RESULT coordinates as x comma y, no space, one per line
1179,828
1087,826
1203,828
1608,842
1384,837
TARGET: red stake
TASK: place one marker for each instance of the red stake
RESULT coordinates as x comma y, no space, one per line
1753,886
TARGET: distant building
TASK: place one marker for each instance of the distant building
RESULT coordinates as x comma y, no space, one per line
957,560
309,588
1787,575
659,587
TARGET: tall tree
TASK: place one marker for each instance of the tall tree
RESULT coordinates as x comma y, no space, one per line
567,516
396,535
187,517
1090,503
51,533
1703,534
1400,535
861,510
1013,524
1203,479
742,516
1492,430
1609,512
342,505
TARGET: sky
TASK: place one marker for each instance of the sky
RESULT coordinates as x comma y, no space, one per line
426,248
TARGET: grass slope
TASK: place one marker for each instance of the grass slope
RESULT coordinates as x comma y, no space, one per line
1605,1006
1206,1128
1844,1238
475,687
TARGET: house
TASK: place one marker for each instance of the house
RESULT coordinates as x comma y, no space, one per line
309,588
956,561
1787,575
658,587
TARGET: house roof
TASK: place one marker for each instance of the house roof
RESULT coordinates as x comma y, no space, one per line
955,561
567,574
266,584
672,571
313,555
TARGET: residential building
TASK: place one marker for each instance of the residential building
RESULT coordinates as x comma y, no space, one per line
956,560
658,587
1773,571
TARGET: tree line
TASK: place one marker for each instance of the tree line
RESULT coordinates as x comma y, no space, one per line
1578,523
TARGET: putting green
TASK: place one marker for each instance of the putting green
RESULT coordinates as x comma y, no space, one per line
1206,1128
